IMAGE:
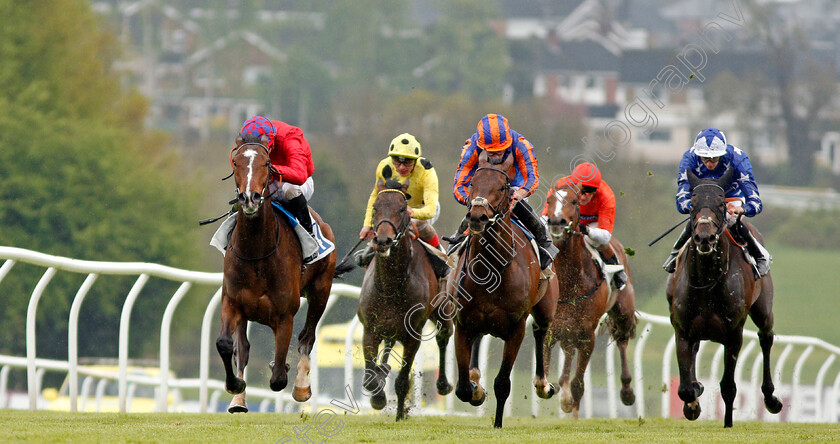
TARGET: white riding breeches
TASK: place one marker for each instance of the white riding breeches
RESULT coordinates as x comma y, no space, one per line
597,237
289,191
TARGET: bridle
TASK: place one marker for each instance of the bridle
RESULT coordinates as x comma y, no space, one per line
272,171
498,211
404,224
234,152
719,227
567,230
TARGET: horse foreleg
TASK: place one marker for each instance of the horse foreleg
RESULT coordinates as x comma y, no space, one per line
401,384
241,352
543,388
622,327
316,297
727,383
475,373
761,313
688,390
231,318
577,385
566,399
501,385
442,338
373,382
464,388
282,337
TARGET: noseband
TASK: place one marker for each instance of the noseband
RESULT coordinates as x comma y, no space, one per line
404,224
497,211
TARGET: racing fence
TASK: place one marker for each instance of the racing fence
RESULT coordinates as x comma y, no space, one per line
804,390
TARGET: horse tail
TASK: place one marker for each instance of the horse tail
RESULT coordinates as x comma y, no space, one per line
617,332
342,268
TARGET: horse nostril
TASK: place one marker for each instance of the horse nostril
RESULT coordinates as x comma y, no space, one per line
697,239
255,196
484,218
563,222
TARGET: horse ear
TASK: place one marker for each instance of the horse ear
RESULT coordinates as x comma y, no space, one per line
726,178
379,184
405,185
507,163
239,141
693,180
264,140
482,157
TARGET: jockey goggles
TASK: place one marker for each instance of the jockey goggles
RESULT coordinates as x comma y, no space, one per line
403,160
588,190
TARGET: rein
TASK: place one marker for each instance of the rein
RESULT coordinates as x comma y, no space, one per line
273,250
720,228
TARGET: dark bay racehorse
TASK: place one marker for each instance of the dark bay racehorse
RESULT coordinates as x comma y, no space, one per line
264,279
495,286
585,295
711,293
397,298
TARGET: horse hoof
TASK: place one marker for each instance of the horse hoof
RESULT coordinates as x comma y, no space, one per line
444,387
378,401
549,391
628,397
238,409
479,395
302,394
698,387
566,406
691,412
235,387
773,404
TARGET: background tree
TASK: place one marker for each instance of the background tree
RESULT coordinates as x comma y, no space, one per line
80,177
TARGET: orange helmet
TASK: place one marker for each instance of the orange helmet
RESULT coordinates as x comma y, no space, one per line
493,133
587,174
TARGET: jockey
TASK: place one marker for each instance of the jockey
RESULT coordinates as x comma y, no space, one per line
709,158
493,135
597,213
404,158
289,153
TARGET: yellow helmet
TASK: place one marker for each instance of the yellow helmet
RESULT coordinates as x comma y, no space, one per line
405,145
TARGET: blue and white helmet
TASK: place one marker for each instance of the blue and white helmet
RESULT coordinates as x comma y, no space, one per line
710,143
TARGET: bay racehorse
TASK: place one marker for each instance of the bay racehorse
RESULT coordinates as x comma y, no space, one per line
398,296
264,279
585,295
711,293
495,287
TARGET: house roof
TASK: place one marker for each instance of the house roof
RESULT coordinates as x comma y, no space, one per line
585,55
642,66
247,36
539,8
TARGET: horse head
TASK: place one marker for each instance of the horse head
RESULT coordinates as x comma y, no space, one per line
390,215
563,209
708,210
252,171
489,193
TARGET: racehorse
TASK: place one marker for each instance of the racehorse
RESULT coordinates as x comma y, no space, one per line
585,295
711,293
397,299
264,278
495,287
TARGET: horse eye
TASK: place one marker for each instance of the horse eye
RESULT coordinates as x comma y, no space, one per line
574,202
234,163
267,164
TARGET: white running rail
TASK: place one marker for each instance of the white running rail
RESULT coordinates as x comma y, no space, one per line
812,400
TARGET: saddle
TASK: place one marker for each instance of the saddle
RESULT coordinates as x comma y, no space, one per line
313,248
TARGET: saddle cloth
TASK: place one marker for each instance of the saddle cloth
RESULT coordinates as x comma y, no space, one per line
313,248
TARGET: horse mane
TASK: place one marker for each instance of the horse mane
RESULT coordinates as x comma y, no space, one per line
391,184
251,138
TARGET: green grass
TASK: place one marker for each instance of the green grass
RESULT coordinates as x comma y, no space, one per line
271,428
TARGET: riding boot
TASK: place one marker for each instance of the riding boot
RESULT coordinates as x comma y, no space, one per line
364,256
756,250
619,279
458,236
526,215
300,210
671,263
428,235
